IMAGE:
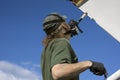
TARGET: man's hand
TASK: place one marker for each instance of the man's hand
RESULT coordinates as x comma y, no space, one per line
98,68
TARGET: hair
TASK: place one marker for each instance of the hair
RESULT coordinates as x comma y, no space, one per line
55,34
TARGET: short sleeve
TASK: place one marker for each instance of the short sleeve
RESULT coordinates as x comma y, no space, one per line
61,53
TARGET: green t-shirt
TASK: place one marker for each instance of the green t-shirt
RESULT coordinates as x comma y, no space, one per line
58,51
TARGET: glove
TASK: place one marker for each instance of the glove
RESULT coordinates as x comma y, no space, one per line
98,68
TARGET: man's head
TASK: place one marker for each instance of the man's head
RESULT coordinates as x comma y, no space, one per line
54,23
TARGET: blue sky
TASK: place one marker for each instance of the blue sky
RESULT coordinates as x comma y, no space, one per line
21,34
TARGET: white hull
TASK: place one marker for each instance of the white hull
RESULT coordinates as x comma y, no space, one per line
106,13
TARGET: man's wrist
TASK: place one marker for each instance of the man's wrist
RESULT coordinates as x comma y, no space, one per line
90,63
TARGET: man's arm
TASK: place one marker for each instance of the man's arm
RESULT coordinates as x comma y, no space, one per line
68,71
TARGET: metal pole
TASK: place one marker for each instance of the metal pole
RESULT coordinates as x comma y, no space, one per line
115,76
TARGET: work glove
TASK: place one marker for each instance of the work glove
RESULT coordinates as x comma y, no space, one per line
98,69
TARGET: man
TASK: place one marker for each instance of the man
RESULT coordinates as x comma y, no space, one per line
58,60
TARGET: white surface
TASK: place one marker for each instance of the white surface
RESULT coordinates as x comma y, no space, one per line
106,13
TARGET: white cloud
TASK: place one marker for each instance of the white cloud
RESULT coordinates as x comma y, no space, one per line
9,71
30,64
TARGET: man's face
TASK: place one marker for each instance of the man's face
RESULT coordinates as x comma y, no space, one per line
66,27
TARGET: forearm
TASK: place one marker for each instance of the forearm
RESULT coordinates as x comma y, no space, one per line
65,71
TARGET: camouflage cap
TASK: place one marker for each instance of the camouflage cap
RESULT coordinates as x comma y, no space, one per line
52,22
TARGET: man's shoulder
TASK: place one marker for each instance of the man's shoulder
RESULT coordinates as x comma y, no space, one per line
61,40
